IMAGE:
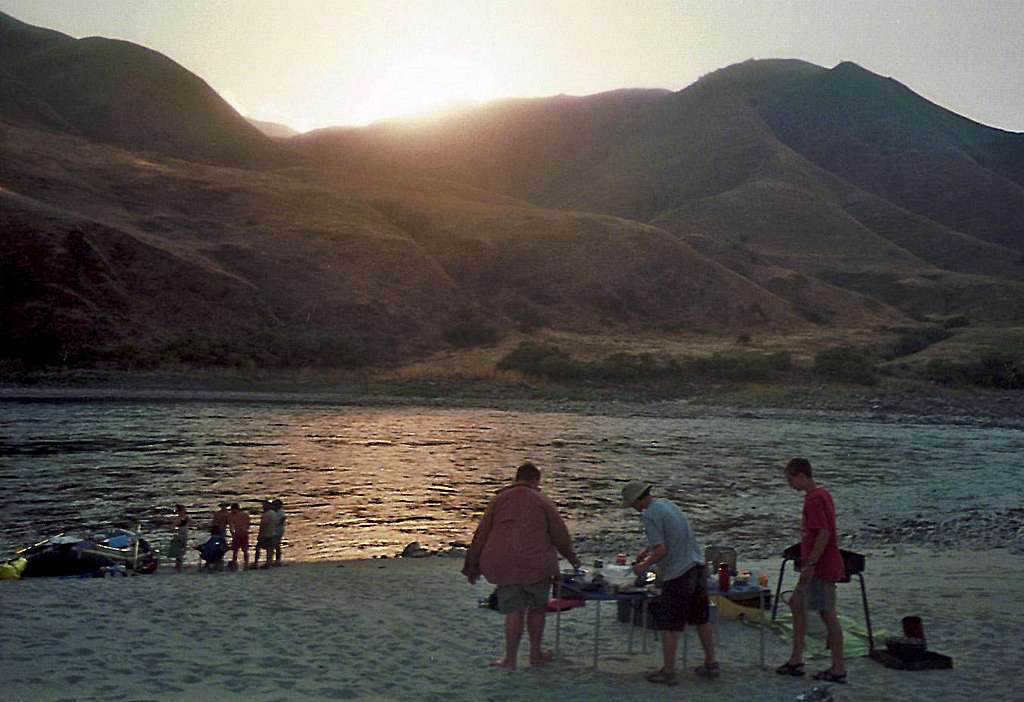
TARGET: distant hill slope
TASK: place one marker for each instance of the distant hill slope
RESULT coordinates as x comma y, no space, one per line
749,154
121,94
110,254
636,154
272,129
530,148
887,140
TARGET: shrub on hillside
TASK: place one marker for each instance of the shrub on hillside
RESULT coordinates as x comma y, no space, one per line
628,366
471,332
268,350
526,315
994,370
739,367
551,362
545,360
914,340
845,365
814,317
960,320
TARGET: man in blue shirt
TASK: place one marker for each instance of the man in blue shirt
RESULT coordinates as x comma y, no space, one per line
682,576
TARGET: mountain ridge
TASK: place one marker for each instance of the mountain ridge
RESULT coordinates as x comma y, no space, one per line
119,93
143,219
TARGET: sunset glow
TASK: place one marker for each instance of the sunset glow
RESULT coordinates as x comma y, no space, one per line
310,63
425,85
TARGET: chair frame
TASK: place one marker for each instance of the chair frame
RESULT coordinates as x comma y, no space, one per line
853,564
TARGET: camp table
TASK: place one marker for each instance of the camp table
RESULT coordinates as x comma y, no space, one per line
734,593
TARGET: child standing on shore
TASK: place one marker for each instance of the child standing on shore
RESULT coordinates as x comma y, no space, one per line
179,541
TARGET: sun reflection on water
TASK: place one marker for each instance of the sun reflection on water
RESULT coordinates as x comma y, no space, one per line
362,481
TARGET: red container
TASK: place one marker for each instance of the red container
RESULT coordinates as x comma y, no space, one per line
913,628
723,577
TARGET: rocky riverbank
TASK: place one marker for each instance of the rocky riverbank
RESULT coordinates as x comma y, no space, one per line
892,401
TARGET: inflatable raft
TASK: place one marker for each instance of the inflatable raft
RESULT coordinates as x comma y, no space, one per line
70,554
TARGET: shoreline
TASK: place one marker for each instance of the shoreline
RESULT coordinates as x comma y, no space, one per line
409,629
904,402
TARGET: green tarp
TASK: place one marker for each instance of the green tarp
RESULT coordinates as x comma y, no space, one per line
855,636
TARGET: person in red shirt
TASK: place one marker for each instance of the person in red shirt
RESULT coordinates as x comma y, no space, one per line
516,547
821,568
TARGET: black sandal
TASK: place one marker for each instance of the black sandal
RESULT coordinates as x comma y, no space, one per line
794,669
829,676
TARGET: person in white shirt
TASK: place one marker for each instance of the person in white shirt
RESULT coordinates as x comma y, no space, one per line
266,535
278,511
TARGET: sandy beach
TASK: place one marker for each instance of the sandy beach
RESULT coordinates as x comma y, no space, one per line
394,629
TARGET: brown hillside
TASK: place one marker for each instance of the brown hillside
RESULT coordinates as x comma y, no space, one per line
143,220
272,129
727,160
296,266
879,135
119,93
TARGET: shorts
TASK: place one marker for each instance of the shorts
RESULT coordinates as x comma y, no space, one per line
178,546
265,542
240,541
683,600
819,595
515,598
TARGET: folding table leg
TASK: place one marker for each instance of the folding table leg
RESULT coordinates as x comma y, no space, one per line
761,623
558,616
632,625
643,625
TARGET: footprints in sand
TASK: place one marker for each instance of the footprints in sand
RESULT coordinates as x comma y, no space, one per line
405,632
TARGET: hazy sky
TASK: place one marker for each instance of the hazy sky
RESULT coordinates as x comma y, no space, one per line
312,63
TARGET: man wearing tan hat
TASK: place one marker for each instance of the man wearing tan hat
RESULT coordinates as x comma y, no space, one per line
682,575
516,546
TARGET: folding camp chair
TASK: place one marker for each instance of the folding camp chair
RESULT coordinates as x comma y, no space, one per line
853,564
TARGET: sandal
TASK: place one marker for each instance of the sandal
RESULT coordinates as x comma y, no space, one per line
794,669
661,677
829,676
707,671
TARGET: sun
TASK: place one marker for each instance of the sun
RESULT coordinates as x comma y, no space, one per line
428,84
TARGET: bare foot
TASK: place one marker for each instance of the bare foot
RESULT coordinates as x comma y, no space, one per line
544,658
503,663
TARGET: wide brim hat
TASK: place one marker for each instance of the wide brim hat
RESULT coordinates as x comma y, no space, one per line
633,490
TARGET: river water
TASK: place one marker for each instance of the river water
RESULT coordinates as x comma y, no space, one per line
361,480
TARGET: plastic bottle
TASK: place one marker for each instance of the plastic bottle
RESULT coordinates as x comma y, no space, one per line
723,577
